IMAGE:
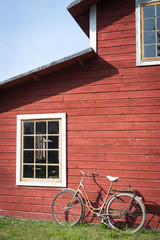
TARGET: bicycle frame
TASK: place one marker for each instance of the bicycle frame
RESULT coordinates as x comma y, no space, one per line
121,211
98,211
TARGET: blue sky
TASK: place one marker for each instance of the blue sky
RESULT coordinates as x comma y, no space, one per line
34,33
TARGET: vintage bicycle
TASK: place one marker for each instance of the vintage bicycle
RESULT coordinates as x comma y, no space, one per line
123,211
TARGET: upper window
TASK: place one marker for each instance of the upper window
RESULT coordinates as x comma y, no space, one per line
148,32
41,158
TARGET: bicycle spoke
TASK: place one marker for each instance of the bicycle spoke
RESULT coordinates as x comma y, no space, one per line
125,211
67,208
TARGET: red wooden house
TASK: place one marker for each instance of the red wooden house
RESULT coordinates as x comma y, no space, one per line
95,110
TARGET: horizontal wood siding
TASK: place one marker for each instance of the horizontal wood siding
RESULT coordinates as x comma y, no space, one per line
132,135
113,121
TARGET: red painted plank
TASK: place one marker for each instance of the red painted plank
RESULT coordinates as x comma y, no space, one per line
26,200
122,174
24,215
116,42
118,50
112,118
113,111
115,142
102,36
146,167
117,134
113,95
113,158
84,104
110,13
114,126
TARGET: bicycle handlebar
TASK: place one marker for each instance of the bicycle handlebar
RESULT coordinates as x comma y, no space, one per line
81,172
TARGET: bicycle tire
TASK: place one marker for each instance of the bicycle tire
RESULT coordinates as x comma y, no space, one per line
66,212
125,212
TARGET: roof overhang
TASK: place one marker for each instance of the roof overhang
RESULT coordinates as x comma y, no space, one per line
79,9
38,73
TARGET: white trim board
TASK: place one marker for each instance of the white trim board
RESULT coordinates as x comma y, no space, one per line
44,183
93,27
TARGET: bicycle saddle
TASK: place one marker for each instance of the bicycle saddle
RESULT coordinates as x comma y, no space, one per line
113,179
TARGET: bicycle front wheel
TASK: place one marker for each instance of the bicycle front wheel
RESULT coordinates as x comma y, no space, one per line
67,208
125,212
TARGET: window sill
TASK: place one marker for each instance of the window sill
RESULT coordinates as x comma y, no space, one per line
147,63
41,183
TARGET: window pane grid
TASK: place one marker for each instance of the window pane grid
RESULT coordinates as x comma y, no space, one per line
150,19
41,156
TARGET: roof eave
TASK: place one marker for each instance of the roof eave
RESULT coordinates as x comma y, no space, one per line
79,9
36,74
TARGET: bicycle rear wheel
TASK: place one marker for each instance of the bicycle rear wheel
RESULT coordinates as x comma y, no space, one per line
125,212
67,208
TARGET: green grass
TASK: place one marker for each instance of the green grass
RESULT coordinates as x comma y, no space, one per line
17,229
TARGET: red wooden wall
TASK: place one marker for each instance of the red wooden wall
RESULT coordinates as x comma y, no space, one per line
113,122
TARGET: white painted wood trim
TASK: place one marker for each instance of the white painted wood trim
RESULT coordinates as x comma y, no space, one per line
138,34
18,152
44,183
139,61
93,27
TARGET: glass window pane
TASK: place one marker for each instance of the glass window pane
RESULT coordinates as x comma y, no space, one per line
28,142
53,142
158,50
158,23
40,127
53,172
149,11
150,51
53,157
158,37
40,171
158,10
41,156
28,156
53,127
40,142
149,24
28,171
28,127
149,38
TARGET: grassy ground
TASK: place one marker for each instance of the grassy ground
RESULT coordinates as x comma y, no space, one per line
16,229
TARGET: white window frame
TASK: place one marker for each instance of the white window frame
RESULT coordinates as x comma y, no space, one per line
139,61
48,183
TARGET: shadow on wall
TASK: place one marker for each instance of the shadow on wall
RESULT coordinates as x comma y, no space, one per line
121,12
153,215
66,81
152,209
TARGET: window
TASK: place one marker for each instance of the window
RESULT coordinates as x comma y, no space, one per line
41,150
148,32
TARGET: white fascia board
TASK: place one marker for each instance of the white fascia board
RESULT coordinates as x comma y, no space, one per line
93,27
72,4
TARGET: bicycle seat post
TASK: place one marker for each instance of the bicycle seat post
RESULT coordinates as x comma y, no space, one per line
110,188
